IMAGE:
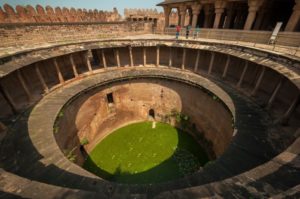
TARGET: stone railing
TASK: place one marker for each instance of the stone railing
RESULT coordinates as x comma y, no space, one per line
287,42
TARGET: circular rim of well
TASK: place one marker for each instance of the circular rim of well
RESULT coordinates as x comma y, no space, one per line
45,134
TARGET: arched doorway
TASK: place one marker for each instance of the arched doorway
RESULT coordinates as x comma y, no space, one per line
151,113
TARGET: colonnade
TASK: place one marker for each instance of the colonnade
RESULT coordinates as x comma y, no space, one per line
87,62
249,15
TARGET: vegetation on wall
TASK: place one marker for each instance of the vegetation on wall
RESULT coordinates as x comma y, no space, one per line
70,154
84,141
183,122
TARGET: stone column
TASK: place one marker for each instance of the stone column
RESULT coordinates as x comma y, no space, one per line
229,19
8,99
183,59
179,19
294,18
196,11
74,68
259,20
182,13
157,55
103,58
87,61
243,74
258,81
208,16
238,18
212,59
117,57
219,10
24,86
226,67
167,11
41,78
59,74
291,109
170,57
197,61
130,56
274,94
254,5
145,56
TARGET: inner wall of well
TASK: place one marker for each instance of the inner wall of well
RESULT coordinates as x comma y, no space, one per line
95,114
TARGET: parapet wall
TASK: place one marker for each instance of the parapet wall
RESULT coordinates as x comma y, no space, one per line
39,14
41,33
143,12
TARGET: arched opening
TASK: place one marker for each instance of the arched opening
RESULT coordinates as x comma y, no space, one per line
151,113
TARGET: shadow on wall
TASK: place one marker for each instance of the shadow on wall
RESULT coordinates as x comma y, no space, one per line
19,156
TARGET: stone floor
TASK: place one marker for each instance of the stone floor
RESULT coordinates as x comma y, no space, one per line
251,167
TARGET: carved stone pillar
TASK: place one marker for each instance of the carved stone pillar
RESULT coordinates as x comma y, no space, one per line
274,94
259,20
196,11
167,11
74,68
58,71
117,57
226,67
8,99
208,16
24,86
157,56
243,74
295,17
182,12
170,57
230,15
212,59
258,81
197,61
41,78
87,61
183,59
288,113
254,6
219,10
238,18
130,56
103,58
144,56
179,18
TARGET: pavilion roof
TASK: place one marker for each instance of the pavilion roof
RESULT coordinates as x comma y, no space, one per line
172,2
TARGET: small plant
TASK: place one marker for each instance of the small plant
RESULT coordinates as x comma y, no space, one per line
61,114
70,155
56,129
84,141
215,98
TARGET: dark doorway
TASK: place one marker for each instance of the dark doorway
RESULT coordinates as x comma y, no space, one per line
110,98
152,113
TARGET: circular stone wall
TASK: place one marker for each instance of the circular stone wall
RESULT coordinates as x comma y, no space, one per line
91,116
